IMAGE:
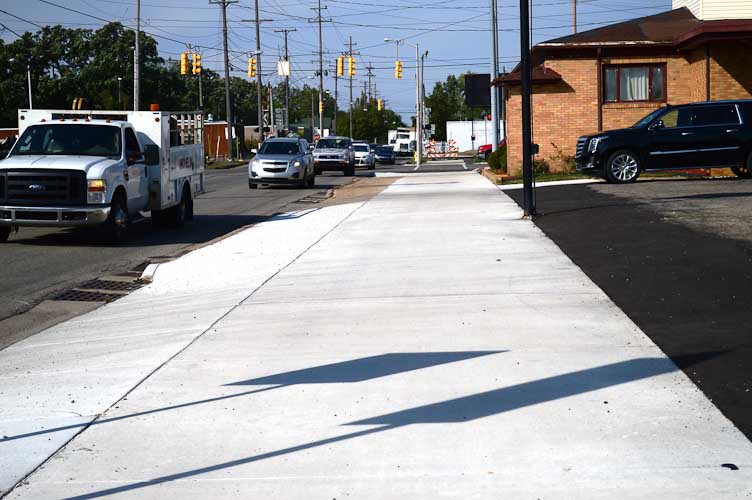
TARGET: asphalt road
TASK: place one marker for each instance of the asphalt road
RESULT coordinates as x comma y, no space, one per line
39,262
676,256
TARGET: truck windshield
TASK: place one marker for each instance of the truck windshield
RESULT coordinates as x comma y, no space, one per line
70,139
279,148
333,143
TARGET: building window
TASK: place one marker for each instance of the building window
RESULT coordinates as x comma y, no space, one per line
634,83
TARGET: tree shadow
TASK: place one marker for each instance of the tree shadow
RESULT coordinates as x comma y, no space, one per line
458,410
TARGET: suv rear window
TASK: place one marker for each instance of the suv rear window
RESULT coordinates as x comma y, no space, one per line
715,115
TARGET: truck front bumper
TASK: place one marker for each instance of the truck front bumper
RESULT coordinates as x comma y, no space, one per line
53,216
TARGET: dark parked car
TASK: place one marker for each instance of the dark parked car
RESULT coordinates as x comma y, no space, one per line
385,155
699,135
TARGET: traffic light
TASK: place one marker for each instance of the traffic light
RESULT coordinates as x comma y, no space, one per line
380,104
196,64
321,107
251,67
398,70
340,65
184,63
351,66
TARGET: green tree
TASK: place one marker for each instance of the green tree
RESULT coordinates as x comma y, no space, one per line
447,103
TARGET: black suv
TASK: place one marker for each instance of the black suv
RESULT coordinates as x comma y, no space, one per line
699,135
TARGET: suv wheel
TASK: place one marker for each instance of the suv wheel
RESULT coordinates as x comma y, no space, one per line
622,167
744,172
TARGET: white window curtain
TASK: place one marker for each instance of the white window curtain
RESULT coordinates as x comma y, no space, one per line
633,83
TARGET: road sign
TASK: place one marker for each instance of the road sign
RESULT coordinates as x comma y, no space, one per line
283,68
280,118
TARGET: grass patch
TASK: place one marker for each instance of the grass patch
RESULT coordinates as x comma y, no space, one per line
549,177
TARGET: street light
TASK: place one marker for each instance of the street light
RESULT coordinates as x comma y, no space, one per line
418,100
28,79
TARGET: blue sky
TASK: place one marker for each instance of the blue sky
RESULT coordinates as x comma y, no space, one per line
455,32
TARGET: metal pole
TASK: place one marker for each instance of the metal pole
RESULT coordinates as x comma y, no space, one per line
137,60
525,91
494,74
418,110
228,105
273,123
200,92
28,79
351,82
120,100
259,100
313,116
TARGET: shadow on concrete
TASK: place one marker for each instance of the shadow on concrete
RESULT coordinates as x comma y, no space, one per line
455,410
356,370
142,233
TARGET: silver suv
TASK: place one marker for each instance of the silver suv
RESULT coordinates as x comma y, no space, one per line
282,161
334,153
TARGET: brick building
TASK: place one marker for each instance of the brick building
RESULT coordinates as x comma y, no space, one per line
611,77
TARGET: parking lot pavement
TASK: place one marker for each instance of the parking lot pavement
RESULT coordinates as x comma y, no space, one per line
676,256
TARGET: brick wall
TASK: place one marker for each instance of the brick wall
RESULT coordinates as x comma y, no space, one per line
564,111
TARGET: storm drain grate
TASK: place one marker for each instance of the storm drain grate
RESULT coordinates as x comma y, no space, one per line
86,296
119,286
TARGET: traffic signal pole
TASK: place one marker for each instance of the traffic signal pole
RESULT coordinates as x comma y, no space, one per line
525,91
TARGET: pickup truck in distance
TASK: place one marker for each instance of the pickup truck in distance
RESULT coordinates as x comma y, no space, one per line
713,134
76,168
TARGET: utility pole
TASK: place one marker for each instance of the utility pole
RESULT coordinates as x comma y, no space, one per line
287,80
228,104
494,74
259,86
574,15
336,96
350,54
320,20
369,75
137,60
271,108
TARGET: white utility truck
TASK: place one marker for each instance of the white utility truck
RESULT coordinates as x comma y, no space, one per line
77,168
402,140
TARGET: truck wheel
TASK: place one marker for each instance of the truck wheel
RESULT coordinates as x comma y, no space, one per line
183,211
4,233
622,167
311,180
117,223
317,171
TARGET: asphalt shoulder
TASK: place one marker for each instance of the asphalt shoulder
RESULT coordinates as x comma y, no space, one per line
689,290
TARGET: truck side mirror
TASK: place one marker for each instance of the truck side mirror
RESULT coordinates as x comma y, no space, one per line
151,154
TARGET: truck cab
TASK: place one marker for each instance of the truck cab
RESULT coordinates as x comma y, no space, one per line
74,168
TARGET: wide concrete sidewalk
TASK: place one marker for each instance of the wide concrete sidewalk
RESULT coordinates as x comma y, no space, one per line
427,343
